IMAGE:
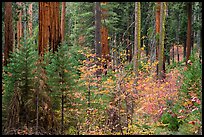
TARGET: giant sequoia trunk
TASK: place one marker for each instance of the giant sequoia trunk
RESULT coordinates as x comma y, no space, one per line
8,31
188,41
63,20
104,37
49,26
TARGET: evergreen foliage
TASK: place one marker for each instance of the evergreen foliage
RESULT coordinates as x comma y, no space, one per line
18,78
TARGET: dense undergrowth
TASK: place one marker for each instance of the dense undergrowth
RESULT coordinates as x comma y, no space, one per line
109,104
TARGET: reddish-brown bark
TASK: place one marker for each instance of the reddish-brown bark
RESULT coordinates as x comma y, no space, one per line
63,20
19,25
104,35
8,31
49,26
157,29
30,25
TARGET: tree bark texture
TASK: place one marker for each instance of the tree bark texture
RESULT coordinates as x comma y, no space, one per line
104,34
8,31
30,24
135,64
161,40
137,39
157,31
63,20
188,41
97,30
19,25
49,27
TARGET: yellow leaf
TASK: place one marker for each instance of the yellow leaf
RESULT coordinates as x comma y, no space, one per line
65,70
143,37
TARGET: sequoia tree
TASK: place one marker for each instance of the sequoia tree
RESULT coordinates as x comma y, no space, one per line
8,31
104,33
49,26
63,20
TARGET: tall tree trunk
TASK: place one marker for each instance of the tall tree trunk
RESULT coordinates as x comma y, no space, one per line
98,27
200,55
173,54
161,40
98,35
30,24
139,31
136,46
24,22
177,37
19,25
104,35
136,43
49,27
8,31
63,20
136,51
115,52
157,31
184,48
188,41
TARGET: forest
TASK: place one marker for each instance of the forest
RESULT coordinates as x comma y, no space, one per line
101,68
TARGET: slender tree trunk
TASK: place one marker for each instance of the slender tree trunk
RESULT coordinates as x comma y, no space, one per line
161,42
24,23
188,41
168,51
8,31
114,52
139,32
200,55
184,48
177,37
173,54
160,46
97,31
137,39
157,33
135,64
30,25
19,25
98,47
63,20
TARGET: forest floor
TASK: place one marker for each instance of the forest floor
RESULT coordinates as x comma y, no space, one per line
153,99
